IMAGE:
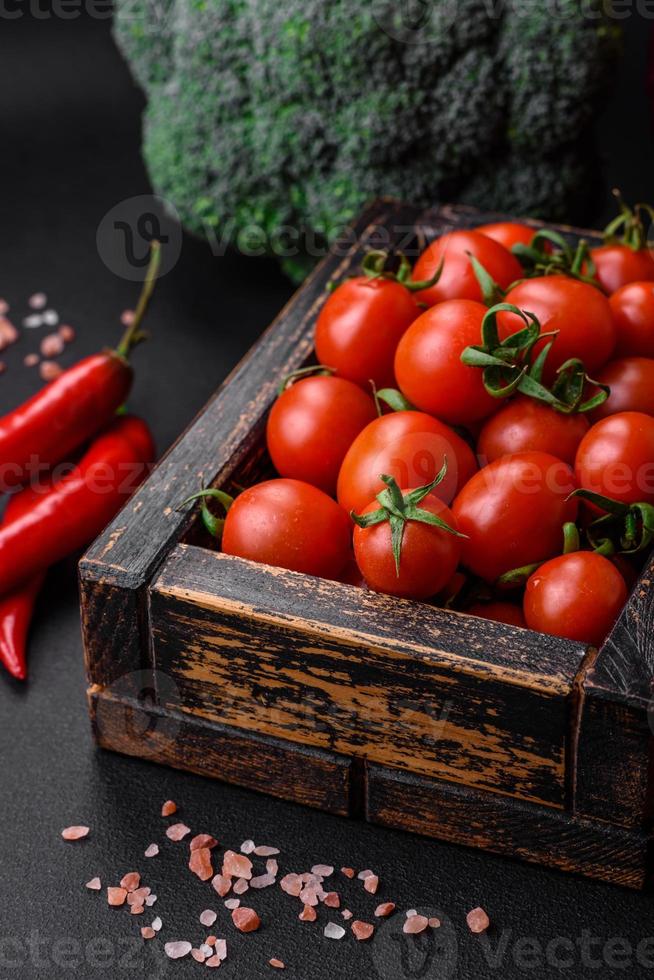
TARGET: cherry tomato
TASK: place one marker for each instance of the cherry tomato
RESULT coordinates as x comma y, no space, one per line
616,265
632,307
524,424
508,233
578,311
428,363
291,525
360,326
631,381
312,425
428,559
578,596
409,446
616,458
499,612
513,512
458,280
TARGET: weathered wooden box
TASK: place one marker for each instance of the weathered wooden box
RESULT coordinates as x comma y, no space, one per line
390,710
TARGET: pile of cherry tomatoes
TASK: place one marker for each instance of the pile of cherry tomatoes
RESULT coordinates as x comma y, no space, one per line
478,432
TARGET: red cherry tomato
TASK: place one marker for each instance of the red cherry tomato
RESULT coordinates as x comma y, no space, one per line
409,446
428,559
428,363
499,612
617,265
458,280
632,307
578,596
631,381
616,458
579,312
524,424
508,233
312,425
360,326
291,525
513,512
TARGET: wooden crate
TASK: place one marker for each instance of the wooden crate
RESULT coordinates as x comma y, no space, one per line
395,711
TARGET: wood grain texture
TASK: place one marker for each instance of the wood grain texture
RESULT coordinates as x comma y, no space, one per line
302,775
402,683
536,834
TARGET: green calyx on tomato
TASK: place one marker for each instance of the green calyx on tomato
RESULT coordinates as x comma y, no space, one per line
214,525
518,577
379,264
629,222
625,528
393,398
508,367
317,370
538,259
398,508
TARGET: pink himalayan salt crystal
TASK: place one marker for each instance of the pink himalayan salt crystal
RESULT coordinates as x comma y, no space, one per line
37,301
50,370
332,900
365,874
67,333
31,360
262,881
127,319
213,962
222,884
221,948
198,955
384,910
94,884
157,924
131,881
152,851
168,808
148,932
415,924
232,903
208,944
150,900
200,863
362,930
8,333
203,840
308,914
208,917
116,896
246,920
434,923
240,887
371,884
75,833
177,950
266,852
138,896
348,872
277,964
309,896
52,345
334,931
177,831
248,847
347,915
477,920
272,866
237,865
322,870
291,884
137,910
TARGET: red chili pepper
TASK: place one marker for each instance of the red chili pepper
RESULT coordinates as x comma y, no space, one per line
63,515
69,411
16,611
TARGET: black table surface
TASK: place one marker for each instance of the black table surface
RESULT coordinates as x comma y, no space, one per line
70,125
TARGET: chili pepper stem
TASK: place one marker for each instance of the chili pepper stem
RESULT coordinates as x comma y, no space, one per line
134,335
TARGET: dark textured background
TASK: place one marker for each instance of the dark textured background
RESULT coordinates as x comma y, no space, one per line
70,128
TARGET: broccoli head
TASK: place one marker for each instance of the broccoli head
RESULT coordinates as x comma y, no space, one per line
271,122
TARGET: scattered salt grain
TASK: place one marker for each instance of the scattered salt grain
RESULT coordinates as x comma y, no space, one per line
347,915
411,913
50,370
203,840
384,910
477,920
208,917
137,910
247,847
75,833
67,333
323,870
116,897
33,321
221,948
198,955
263,881
177,831
138,895
206,950
157,924
415,924
277,964
50,318
150,900
236,865
272,866
365,874
131,881
434,923
152,851
348,872
266,852
200,863
240,887
94,884
334,931
148,932
52,345
222,884
127,318
332,900
371,884
37,301
31,360
8,333
246,920
291,884
177,950
362,930
309,896
168,808
213,962
308,914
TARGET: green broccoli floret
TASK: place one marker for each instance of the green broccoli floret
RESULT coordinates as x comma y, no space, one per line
265,115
